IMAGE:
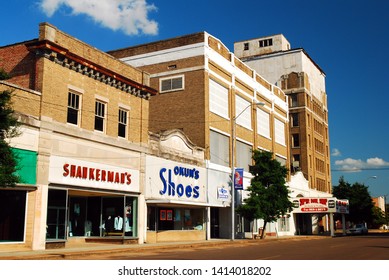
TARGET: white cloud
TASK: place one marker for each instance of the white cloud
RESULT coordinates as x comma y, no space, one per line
129,16
356,165
336,153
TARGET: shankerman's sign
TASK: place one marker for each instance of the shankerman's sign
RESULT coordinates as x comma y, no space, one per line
73,172
320,205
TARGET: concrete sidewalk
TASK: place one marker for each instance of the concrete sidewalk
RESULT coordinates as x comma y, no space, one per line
98,248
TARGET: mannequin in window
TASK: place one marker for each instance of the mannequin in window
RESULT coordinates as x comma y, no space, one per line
118,223
128,221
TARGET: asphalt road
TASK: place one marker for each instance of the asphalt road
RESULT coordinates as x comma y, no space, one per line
374,246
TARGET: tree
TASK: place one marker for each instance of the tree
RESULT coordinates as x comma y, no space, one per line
360,202
8,129
378,217
268,197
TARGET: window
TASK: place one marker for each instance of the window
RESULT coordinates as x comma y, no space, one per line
296,162
56,214
219,148
295,140
172,84
243,155
244,113
281,160
73,108
283,223
295,119
266,43
99,115
122,123
246,46
263,123
279,128
218,99
294,100
12,215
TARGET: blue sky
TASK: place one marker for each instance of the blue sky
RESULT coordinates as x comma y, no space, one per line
348,39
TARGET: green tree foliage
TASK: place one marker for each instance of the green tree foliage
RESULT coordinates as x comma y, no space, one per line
268,195
8,129
361,204
378,217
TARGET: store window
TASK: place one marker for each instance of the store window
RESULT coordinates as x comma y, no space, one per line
97,216
56,214
12,215
102,216
169,218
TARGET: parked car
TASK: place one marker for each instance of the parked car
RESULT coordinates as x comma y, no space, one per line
358,229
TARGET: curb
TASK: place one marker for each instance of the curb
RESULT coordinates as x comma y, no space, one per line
73,253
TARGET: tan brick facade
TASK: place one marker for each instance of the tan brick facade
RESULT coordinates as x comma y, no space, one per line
43,73
188,109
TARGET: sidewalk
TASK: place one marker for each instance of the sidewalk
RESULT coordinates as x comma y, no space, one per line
97,248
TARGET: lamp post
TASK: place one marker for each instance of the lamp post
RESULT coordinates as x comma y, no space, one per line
233,139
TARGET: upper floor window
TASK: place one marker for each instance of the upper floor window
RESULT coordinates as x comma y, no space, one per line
219,148
122,123
263,123
244,153
279,128
246,46
218,99
73,108
295,140
266,43
100,108
243,112
295,119
171,84
294,100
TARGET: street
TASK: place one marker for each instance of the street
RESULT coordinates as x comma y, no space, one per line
374,246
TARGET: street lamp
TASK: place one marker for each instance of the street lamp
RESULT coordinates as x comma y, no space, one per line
233,140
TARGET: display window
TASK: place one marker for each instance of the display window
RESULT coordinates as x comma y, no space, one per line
56,215
163,218
12,215
75,214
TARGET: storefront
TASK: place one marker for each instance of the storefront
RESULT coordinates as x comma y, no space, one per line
88,200
176,201
314,215
16,204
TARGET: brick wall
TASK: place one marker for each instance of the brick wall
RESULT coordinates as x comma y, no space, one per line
19,63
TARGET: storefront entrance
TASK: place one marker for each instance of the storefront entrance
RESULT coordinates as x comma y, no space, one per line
303,224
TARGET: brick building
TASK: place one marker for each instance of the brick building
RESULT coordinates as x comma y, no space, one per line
84,134
301,78
303,81
206,91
